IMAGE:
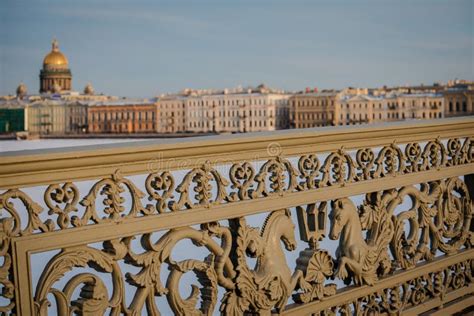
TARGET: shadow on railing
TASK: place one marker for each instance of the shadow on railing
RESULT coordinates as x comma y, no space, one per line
384,219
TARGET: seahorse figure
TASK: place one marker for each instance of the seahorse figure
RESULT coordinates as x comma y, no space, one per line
271,283
354,254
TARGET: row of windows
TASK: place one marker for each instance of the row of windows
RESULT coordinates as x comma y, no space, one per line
171,106
308,125
229,113
323,102
200,124
314,116
389,104
458,106
389,116
101,116
120,127
230,102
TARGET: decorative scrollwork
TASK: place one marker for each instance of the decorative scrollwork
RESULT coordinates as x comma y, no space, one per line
93,298
160,188
33,211
434,155
242,177
437,217
55,195
308,166
377,236
148,279
202,179
338,168
454,150
365,161
467,151
11,226
112,188
412,293
207,278
272,178
390,161
413,154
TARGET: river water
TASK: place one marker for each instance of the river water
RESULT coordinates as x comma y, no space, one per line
14,145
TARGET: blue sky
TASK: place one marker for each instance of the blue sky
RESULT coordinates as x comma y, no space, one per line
143,48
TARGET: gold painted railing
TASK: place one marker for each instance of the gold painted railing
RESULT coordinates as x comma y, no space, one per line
115,229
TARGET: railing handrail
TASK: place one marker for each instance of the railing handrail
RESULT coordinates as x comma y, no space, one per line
47,166
397,198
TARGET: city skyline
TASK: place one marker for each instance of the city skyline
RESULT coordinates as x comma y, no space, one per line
153,48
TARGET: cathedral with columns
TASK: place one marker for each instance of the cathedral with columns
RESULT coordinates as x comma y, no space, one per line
55,77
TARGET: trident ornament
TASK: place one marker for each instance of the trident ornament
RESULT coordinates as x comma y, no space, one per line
312,223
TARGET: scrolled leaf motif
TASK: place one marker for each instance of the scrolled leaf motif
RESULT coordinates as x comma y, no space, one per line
160,188
67,195
467,151
242,179
365,159
434,155
454,216
392,300
408,250
202,179
308,166
390,161
272,178
418,291
93,297
338,168
413,154
454,151
207,278
148,281
111,188
33,210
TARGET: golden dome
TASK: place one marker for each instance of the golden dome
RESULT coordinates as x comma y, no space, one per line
55,57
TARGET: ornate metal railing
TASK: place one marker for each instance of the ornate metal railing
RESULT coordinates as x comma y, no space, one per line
384,220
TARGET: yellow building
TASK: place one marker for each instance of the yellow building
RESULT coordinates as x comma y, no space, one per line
312,109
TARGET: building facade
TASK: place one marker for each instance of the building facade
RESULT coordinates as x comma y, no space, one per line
56,117
12,119
458,102
312,109
171,114
121,117
364,109
234,111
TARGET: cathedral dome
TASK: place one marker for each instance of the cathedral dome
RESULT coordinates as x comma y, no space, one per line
21,90
55,58
89,90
